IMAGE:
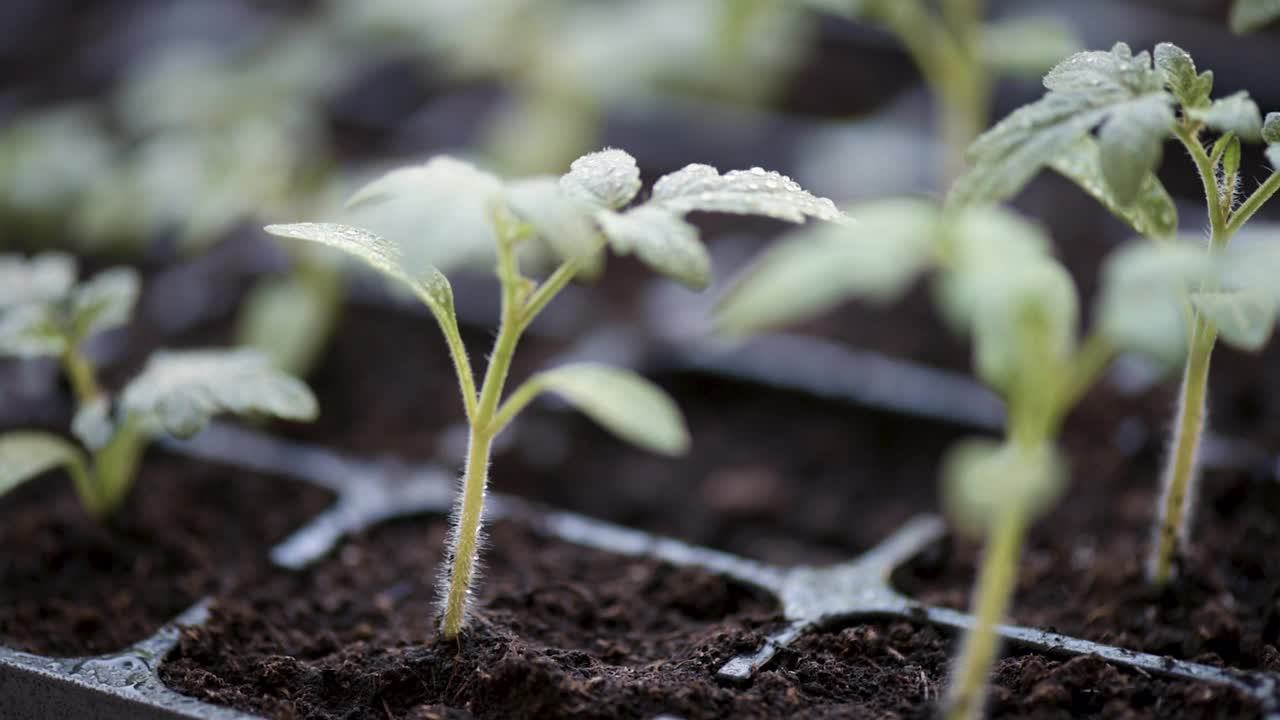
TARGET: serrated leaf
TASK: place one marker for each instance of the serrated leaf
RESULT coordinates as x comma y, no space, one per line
438,213
744,192
982,479
1131,142
874,257
181,391
1249,15
562,221
1271,128
1237,114
104,302
25,455
44,278
379,253
662,240
1179,73
1026,46
1152,213
1142,306
1105,77
607,179
622,402
1244,318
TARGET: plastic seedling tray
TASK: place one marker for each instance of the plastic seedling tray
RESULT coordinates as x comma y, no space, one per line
127,685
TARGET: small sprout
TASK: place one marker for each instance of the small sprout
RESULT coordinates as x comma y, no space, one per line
1135,105
571,218
177,393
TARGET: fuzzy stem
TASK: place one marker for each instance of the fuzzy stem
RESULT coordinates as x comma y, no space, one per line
1255,201
466,536
1179,476
991,603
81,375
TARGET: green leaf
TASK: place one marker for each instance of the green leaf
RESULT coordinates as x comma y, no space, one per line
1131,142
1115,90
1152,213
607,179
104,302
181,391
1143,302
1271,128
875,257
1231,157
1026,46
1249,15
1273,155
25,455
438,213
662,240
93,424
379,253
1244,318
563,221
31,331
1027,317
1237,114
624,403
981,479
744,192
45,278
1179,73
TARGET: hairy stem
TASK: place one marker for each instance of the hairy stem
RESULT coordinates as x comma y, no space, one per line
1254,202
1179,476
465,541
1212,194
80,373
990,605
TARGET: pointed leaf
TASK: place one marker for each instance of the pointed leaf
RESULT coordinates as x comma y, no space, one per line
607,179
1249,15
44,278
1131,142
181,391
1105,77
1152,212
1244,318
1179,73
25,455
662,240
562,221
745,192
875,257
105,302
1027,46
1237,114
379,253
982,479
624,403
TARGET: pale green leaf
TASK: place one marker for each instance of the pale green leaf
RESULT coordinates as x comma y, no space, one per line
1179,73
1027,46
745,192
1273,155
93,424
1244,318
662,240
438,213
45,278
983,479
608,179
624,403
563,221
1237,114
1152,213
1249,15
1271,128
1027,315
1131,142
104,302
379,253
1105,77
25,455
1143,302
181,391
31,331
874,257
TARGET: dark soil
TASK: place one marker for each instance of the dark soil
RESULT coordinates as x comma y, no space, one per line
72,586
564,631
1083,575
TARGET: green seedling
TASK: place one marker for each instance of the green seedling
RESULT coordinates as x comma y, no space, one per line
1135,105
995,280
43,312
570,219
960,56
